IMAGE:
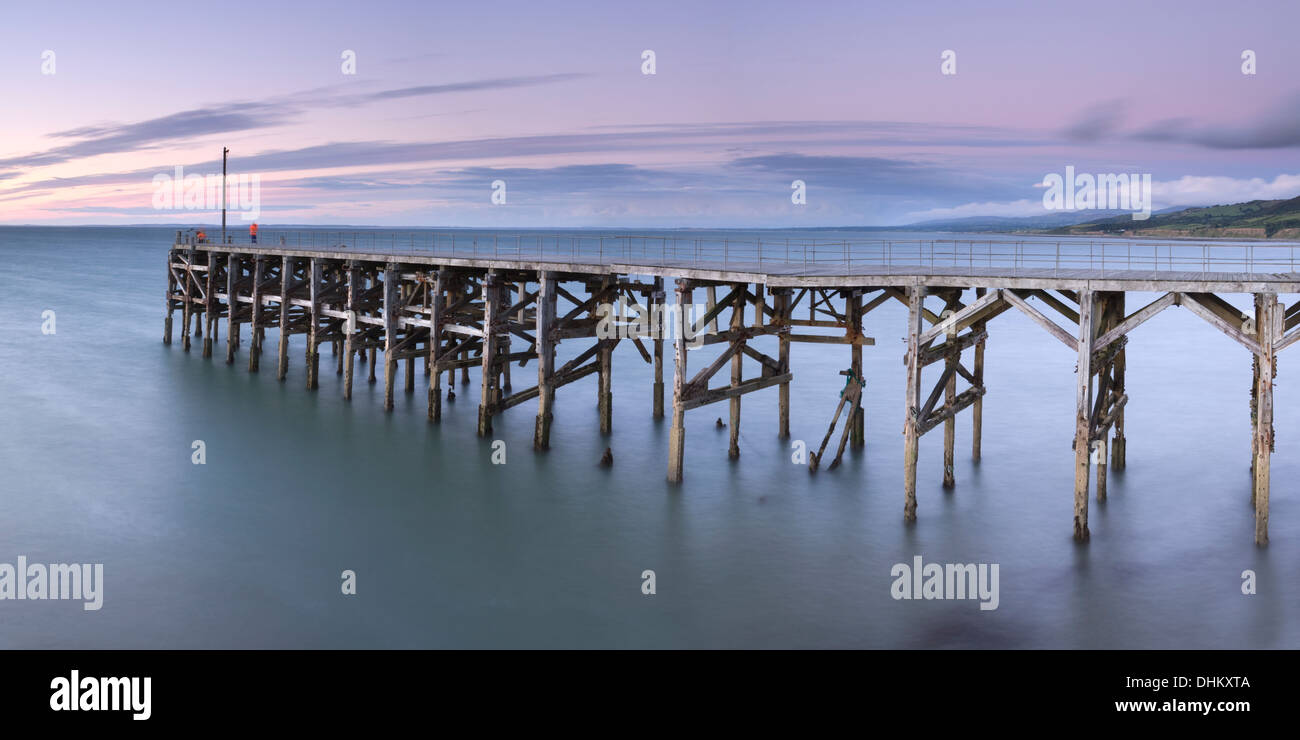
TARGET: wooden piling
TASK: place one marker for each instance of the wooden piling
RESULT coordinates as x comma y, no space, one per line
853,313
677,433
234,270
391,283
187,293
312,360
952,358
170,304
489,381
977,408
1083,415
605,384
436,306
1118,446
737,359
210,303
783,315
911,435
354,288
657,321
286,280
255,315
1267,332
546,315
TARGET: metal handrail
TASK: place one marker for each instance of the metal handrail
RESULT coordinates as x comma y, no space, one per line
729,252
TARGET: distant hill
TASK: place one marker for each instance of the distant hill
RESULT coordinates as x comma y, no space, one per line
1048,220
1257,219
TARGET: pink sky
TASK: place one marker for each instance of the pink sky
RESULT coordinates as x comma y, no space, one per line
747,97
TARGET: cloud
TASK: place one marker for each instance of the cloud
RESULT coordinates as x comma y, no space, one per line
879,176
236,117
472,86
117,138
1278,128
1097,122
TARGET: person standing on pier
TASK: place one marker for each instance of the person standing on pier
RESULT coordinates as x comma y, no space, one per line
252,232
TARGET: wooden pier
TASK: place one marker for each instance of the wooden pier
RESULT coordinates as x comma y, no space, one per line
456,310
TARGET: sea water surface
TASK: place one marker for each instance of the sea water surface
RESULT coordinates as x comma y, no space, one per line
548,550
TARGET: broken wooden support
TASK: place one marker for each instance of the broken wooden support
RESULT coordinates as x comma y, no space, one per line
850,396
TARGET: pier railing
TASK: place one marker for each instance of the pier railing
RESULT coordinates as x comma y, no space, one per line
802,254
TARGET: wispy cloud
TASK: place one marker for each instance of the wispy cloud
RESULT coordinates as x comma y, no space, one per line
241,116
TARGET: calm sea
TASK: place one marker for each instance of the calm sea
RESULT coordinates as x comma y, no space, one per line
547,550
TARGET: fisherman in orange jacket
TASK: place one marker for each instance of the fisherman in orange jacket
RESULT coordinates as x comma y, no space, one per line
202,236
252,232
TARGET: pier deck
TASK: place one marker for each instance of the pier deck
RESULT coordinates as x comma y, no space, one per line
457,302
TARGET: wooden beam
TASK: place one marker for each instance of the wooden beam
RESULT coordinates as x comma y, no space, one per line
1051,326
1138,317
1215,319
